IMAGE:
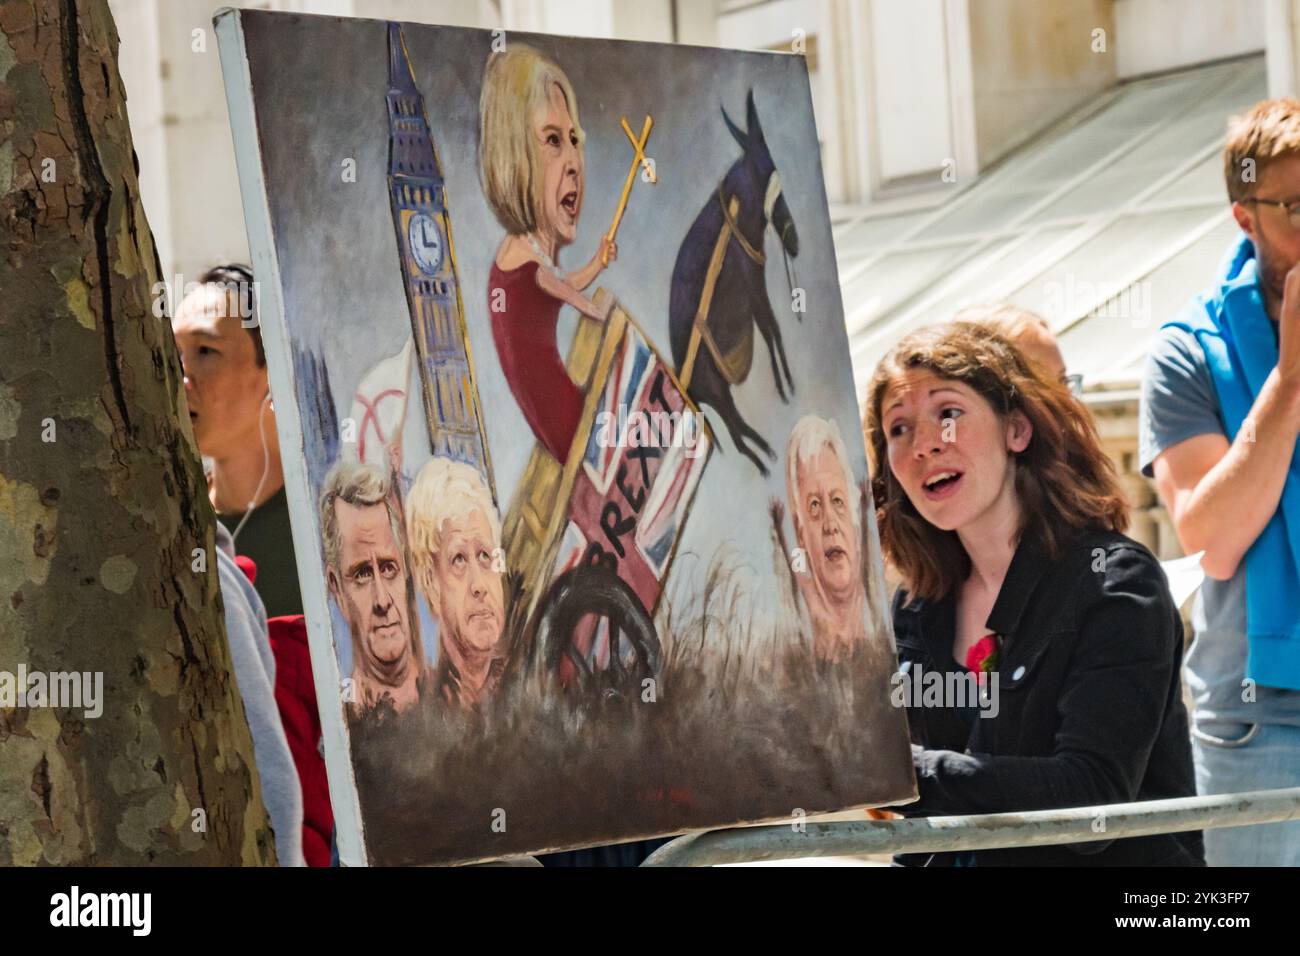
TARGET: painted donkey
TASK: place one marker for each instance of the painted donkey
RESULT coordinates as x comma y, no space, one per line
719,289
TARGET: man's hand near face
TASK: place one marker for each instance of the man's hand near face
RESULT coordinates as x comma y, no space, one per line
1288,363
1222,494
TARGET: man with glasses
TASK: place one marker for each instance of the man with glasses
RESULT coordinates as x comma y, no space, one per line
1218,430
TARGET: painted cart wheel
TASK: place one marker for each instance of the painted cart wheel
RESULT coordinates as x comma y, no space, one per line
595,635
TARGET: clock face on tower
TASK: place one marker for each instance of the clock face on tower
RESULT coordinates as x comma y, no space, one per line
426,242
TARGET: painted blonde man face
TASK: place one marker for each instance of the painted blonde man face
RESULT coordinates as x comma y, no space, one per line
455,537
471,599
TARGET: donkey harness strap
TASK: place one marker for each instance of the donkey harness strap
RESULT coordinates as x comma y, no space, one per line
729,211
735,366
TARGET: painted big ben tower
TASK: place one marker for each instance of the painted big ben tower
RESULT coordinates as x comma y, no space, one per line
418,197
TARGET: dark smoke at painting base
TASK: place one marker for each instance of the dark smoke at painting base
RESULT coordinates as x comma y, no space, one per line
625,769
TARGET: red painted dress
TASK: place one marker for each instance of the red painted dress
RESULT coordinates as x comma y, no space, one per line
524,333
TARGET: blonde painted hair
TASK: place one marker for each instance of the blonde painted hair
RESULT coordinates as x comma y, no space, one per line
443,489
1269,130
516,85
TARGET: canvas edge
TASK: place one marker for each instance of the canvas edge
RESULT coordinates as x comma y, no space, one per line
879,581
237,80
878,563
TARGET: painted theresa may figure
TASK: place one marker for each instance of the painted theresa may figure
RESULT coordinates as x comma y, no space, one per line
531,162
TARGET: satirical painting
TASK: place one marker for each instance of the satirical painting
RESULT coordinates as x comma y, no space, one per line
581,507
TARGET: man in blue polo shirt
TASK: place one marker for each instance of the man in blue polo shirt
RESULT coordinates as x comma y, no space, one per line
1218,430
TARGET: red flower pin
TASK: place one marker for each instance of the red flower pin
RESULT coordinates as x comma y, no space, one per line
983,656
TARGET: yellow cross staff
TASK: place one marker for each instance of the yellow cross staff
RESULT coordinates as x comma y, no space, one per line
639,146
639,158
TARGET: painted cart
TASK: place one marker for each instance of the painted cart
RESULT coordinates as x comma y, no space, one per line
594,538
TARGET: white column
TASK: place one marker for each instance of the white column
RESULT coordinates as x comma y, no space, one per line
137,61
961,88
845,126
207,218
1282,29
913,131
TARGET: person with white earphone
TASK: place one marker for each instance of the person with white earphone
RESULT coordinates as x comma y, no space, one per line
233,417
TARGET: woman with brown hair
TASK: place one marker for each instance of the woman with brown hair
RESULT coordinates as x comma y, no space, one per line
1003,516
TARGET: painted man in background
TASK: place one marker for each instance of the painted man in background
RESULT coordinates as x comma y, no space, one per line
456,552
366,573
827,514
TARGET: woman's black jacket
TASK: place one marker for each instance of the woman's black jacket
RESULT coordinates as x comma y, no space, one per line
1088,702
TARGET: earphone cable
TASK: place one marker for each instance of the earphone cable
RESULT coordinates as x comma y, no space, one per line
266,470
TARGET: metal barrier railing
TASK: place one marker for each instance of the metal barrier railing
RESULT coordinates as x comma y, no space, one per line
978,832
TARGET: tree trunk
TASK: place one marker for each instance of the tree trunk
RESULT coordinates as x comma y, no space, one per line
106,534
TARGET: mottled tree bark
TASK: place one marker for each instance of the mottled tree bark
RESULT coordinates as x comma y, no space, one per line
102,501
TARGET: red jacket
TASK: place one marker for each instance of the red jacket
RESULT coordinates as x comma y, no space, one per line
295,693
295,696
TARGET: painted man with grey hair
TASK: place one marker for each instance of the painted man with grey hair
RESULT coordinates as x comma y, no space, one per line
365,568
827,514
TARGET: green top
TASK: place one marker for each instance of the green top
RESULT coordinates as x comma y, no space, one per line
267,540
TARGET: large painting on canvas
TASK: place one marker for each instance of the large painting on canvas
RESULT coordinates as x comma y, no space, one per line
581,507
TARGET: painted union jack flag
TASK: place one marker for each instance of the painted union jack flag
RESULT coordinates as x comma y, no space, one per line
656,531
644,458
627,383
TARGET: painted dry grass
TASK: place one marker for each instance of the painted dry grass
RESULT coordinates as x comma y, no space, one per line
746,726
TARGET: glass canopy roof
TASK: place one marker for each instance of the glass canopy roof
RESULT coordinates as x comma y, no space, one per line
1105,225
